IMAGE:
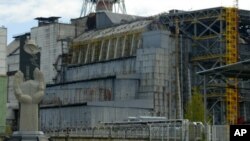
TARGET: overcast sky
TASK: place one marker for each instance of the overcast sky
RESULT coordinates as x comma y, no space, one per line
18,15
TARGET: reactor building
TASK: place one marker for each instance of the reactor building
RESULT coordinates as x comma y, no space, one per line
106,67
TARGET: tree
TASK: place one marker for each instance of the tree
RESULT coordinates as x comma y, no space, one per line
195,107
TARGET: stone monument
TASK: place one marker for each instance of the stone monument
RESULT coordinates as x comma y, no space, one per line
29,94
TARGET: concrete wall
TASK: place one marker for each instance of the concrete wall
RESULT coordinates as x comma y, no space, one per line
13,61
156,66
13,65
12,104
3,95
108,89
80,25
3,44
13,58
141,85
106,100
3,78
46,38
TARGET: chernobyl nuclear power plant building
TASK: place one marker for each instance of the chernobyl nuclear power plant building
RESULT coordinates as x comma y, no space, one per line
107,66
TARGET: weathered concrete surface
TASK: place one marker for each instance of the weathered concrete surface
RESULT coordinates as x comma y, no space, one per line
3,100
29,94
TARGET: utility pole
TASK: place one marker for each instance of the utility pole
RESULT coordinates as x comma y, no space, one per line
178,91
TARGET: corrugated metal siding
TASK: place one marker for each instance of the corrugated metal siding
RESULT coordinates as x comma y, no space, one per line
99,70
65,117
84,116
101,90
3,94
95,90
114,114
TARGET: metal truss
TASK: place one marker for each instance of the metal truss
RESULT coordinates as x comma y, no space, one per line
210,31
89,6
106,48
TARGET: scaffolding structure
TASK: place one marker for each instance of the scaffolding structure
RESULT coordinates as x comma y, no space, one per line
214,35
232,92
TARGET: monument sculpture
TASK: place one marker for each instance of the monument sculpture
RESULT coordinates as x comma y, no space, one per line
29,94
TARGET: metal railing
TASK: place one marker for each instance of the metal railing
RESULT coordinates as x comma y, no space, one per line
176,131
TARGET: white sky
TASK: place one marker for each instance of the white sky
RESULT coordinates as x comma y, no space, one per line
18,15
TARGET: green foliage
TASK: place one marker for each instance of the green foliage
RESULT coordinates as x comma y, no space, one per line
8,130
195,107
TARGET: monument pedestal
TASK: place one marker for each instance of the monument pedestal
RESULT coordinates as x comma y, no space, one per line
28,136
29,93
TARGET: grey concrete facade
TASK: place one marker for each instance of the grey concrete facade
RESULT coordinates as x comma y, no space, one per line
3,45
12,66
47,38
111,91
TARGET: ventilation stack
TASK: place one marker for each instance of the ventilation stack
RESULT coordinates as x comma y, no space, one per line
115,6
104,5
